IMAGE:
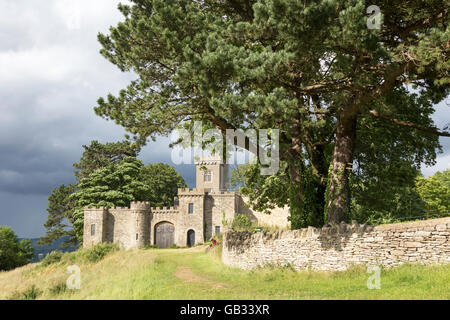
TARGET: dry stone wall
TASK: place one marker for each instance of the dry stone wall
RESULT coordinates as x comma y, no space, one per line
340,246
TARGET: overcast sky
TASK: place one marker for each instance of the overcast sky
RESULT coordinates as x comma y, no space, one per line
51,75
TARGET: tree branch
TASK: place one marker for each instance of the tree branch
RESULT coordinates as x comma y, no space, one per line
413,125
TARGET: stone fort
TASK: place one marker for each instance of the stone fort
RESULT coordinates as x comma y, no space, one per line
197,215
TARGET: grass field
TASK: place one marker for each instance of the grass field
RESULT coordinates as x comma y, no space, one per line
194,274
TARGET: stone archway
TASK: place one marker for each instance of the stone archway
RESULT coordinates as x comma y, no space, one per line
164,234
190,238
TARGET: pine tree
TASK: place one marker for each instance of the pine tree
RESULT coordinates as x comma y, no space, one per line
312,69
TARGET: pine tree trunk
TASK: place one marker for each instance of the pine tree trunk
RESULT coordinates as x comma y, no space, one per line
338,196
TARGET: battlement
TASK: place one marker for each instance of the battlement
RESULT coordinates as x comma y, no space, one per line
224,192
140,205
90,208
160,210
137,205
184,191
208,160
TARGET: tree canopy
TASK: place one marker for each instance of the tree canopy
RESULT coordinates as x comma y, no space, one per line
312,69
163,181
13,253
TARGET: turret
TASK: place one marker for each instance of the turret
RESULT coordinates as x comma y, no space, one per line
212,174
142,216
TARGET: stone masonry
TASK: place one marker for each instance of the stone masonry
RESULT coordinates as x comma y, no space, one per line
338,247
198,214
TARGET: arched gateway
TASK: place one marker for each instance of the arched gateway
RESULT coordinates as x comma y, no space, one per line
164,234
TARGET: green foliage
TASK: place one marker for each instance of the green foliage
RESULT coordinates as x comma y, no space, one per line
32,293
264,192
435,192
163,182
151,246
99,251
52,258
242,222
61,206
302,67
403,200
58,288
60,210
98,155
13,253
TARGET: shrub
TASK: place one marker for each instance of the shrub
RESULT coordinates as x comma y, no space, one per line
13,253
32,293
58,289
52,257
242,222
99,251
151,246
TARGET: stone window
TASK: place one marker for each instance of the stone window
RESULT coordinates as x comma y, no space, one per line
137,236
217,230
92,229
191,208
208,176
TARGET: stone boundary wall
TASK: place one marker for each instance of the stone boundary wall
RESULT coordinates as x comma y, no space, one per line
334,248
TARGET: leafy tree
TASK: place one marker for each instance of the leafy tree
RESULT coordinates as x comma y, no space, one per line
117,184
163,183
312,69
435,192
98,155
60,215
60,206
13,253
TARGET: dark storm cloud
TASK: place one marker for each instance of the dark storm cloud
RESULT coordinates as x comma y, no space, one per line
51,75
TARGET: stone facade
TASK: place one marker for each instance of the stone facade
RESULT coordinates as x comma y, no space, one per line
338,247
199,212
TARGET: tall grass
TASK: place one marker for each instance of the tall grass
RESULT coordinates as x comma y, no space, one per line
107,273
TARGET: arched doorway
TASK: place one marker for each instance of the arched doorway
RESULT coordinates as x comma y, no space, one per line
164,234
190,238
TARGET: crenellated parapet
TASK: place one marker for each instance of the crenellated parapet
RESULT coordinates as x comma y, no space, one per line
183,192
140,205
93,208
222,193
208,160
164,210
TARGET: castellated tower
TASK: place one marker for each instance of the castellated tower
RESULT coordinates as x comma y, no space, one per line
212,174
142,216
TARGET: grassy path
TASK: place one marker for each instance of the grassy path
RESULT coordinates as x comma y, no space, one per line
193,274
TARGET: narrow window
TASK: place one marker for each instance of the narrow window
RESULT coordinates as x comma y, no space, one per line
217,230
208,176
137,236
191,208
92,229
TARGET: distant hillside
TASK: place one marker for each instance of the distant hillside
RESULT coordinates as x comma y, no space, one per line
45,249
